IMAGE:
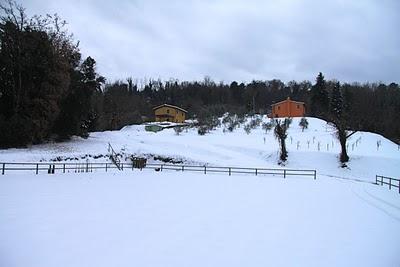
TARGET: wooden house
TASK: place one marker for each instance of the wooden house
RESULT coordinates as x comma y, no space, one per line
288,108
169,113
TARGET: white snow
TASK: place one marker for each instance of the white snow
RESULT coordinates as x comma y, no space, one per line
148,218
234,149
180,219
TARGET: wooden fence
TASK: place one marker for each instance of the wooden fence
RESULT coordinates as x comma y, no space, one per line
384,180
63,167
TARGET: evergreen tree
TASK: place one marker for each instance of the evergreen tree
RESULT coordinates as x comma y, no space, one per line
319,97
336,102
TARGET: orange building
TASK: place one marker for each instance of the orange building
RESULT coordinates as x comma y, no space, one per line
288,108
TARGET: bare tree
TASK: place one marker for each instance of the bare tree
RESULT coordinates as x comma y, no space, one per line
281,134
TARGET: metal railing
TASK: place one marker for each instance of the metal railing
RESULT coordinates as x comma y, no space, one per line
234,170
63,167
114,157
384,180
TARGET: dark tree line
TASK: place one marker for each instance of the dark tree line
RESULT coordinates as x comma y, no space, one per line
48,92
45,86
371,107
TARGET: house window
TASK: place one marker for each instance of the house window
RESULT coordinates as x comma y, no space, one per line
279,107
168,111
298,106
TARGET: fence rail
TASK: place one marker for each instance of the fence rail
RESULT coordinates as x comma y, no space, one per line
63,167
114,157
384,180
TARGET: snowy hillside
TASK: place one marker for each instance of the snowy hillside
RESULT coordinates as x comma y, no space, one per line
315,148
147,218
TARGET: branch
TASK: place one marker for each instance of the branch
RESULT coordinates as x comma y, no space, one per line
351,134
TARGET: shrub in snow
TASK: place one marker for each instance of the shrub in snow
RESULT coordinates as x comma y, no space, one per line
178,129
230,122
202,130
247,128
303,124
255,122
267,126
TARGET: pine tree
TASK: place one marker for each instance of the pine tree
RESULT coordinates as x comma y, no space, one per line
319,97
336,102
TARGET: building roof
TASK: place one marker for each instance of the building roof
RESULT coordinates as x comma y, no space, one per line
288,99
170,106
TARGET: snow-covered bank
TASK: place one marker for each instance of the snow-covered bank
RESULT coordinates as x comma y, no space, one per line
315,148
179,219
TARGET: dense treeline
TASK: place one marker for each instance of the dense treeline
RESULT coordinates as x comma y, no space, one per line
371,107
45,87
48,92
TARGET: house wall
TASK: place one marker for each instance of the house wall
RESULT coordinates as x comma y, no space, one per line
170,114
288,109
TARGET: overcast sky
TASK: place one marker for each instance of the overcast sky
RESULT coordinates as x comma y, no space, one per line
348,40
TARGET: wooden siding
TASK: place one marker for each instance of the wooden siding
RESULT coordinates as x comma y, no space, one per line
288,108
171,114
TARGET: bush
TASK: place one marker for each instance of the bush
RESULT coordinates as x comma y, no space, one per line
254,123
202,130
303,124
178,129
247,128
267,126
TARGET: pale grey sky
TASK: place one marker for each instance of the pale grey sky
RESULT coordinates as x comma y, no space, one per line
353,40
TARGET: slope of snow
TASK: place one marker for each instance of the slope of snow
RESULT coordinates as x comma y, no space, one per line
177,219
315,148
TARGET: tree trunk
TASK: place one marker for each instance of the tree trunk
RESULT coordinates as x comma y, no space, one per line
343,139
283,150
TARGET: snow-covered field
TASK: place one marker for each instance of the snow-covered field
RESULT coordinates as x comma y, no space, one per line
148,218
179,219
221,148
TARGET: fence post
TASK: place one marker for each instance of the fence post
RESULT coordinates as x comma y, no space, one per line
106,167
4,168
122,166
256,171
183,168
284,173
376,179
205,170
390,183
315,175
161,167
64,168
229,171
37,168
381,180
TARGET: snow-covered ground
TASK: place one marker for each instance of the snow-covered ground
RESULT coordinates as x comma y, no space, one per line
148,218
221,148
177,219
